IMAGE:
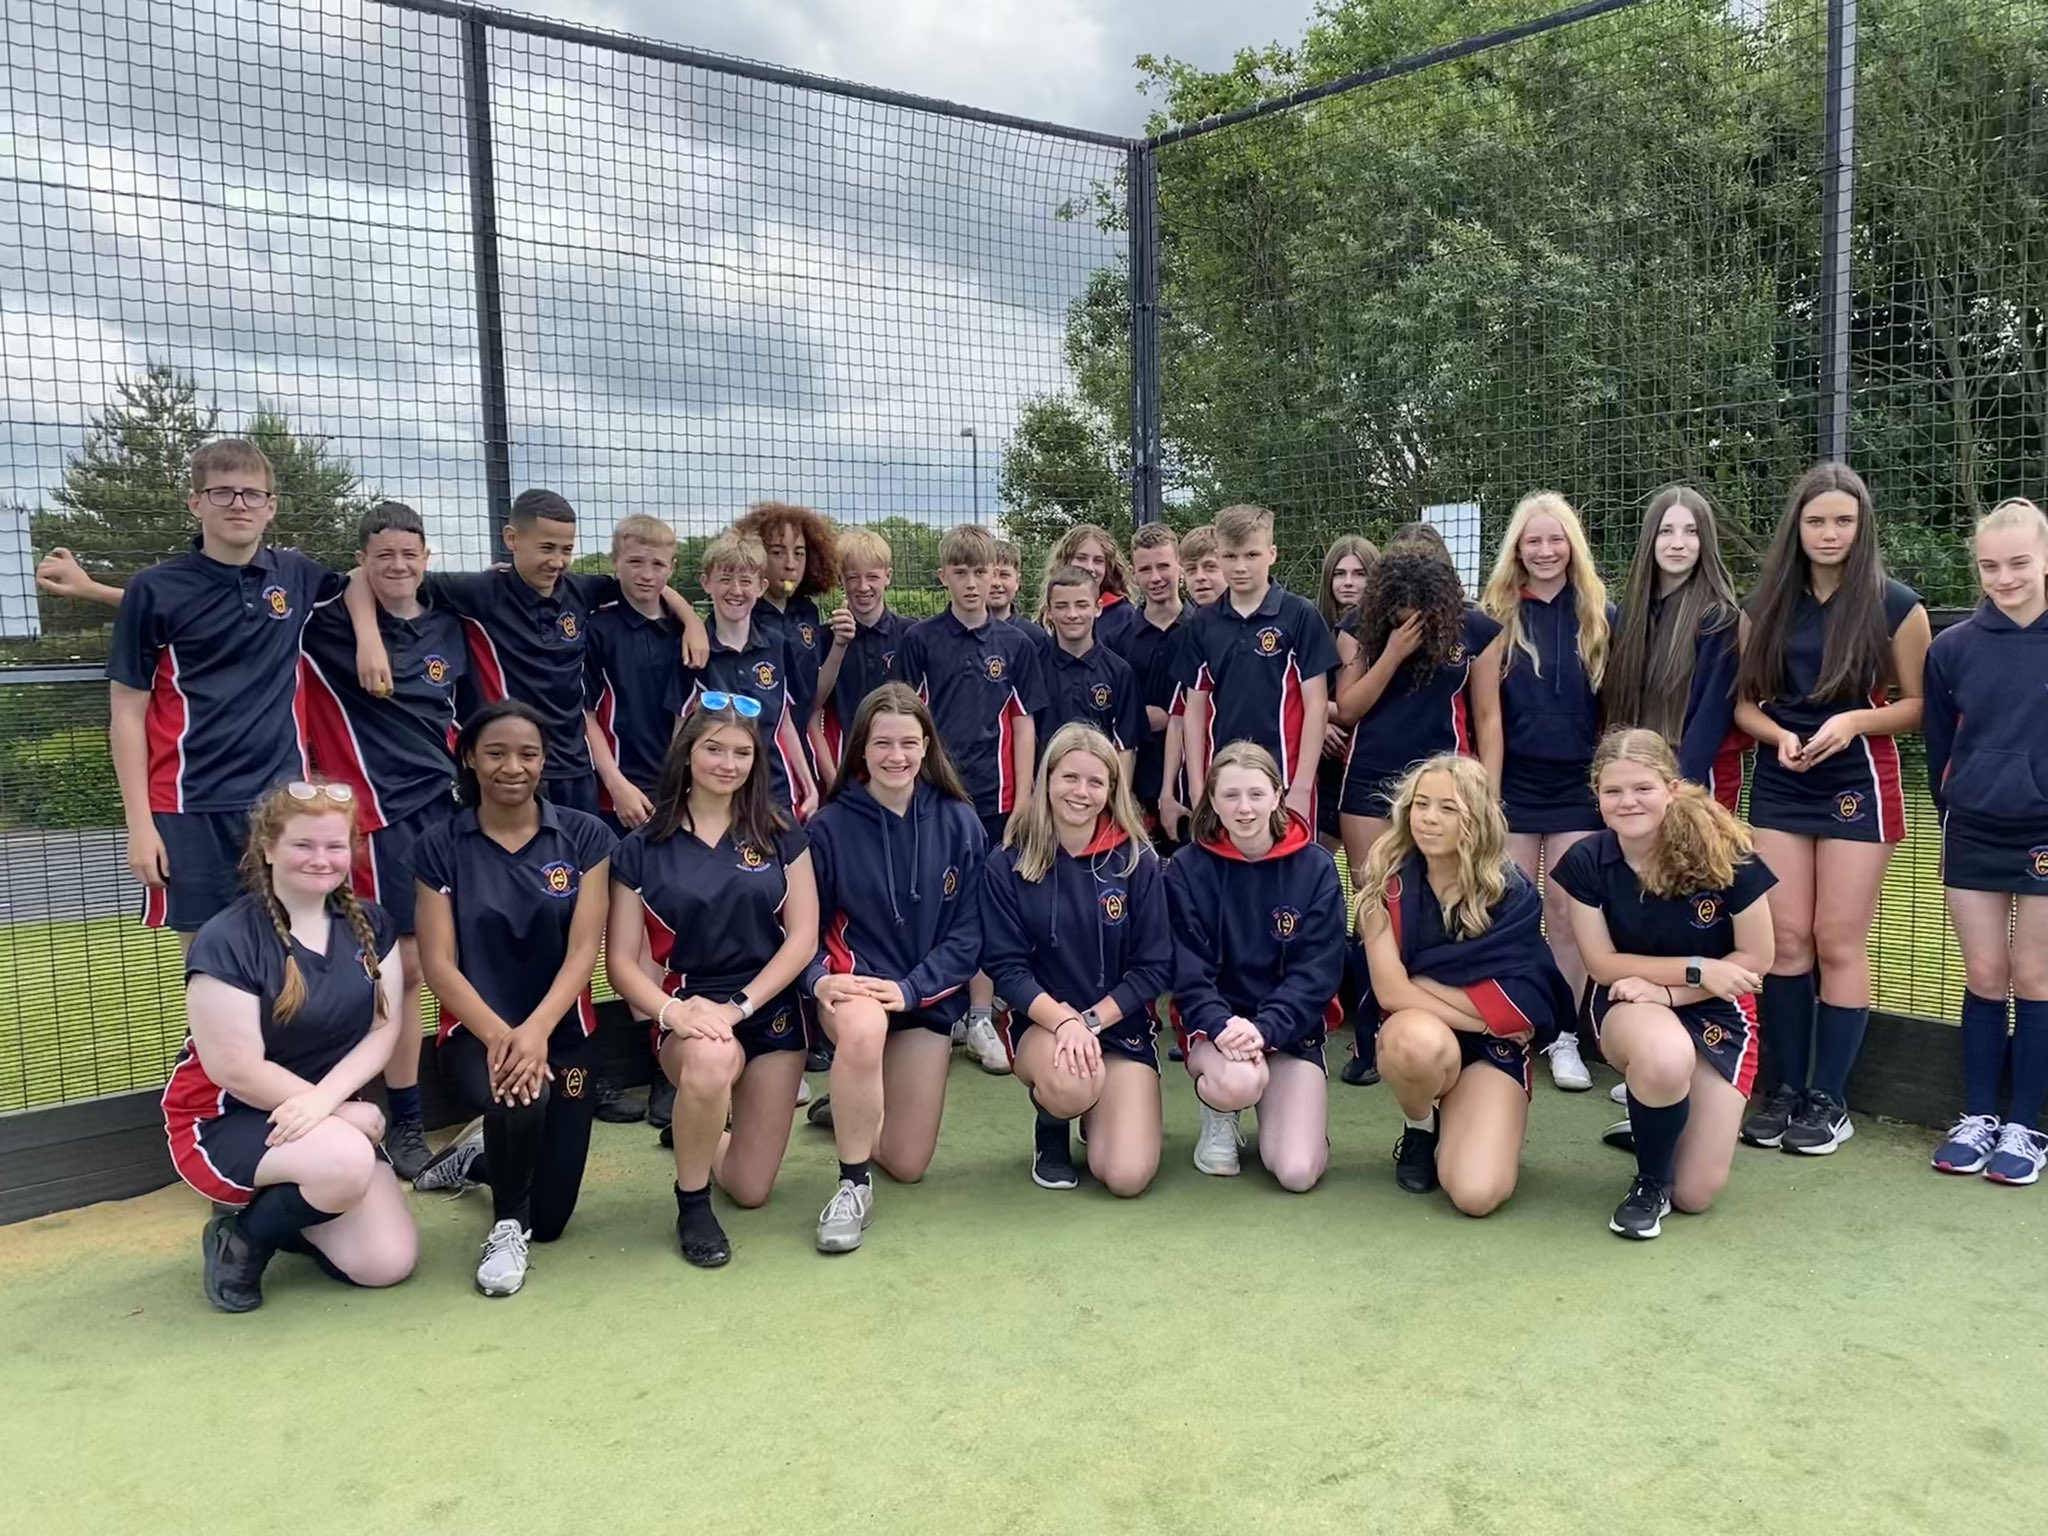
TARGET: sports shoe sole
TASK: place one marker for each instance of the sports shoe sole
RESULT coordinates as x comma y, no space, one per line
1070,1179
1621,1136
1227,1171
1844,1131
213,1239
1761,1141
1963,1168
1653,1230
488,1290
840,1242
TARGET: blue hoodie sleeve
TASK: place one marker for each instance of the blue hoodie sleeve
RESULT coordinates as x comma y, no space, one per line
828,901
1293,1011
1148,959
955,954
1005,944
1710,710
1197,947
1938,719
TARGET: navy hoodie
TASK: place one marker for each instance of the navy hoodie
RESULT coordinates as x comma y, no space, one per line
1262,939
1710,706
1549,713
896,895
1986,720
1084,932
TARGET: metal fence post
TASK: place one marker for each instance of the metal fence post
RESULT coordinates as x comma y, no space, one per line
490,308
1838,197
1142,195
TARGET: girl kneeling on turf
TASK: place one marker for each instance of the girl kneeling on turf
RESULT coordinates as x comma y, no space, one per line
897,851
718,887
1668,909
511,905
1453,936
1258,938
293,1006
1987,763
1074,934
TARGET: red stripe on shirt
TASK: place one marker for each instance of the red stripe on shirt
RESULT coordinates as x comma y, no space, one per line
1496,1008
330,736
483,655
164,724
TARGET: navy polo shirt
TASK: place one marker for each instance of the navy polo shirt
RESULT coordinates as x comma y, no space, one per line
1595,872
1154,657
512,910
978,683
1253,666
631,665
1794,705
1098,689
216,648
713,913
869,662
807,638
239,947
528,647
395,752
1420,714
759,669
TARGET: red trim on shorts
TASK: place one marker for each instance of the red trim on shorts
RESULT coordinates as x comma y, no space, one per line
1752,1045
156,906
190,1100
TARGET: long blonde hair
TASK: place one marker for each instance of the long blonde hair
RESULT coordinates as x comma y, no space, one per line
1484,867
1502,598
1035,835
266,825
2016,512
1699,841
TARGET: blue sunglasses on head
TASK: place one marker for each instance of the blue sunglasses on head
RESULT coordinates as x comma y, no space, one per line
739,703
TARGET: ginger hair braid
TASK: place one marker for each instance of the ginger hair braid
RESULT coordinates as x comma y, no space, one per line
292,995
366,936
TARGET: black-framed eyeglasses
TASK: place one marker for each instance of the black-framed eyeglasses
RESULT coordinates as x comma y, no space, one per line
741,704
228,495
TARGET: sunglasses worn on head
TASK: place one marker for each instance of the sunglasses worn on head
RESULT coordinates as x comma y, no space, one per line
739,703
299,789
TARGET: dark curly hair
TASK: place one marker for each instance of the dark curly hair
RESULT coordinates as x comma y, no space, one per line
1412,577
821,544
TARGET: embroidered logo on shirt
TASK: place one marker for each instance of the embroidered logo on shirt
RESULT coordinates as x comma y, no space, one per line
808,635
949,883
558,878
573,1082
567,625
1849,806
435,669
278,601
888,661
1269,641
753,858
1706,910
764,673
1112,902
1457,654
1101,695
2037,862
1285,921
994,667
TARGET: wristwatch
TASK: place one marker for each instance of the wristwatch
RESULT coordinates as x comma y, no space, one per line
1095,1025
1692,971
745,1004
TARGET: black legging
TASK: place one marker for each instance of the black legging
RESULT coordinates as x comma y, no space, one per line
535,1152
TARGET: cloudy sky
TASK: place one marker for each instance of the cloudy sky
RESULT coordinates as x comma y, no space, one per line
714,290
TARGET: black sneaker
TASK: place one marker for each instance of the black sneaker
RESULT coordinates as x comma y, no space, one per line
617,1106
1360,1072
1641,1214
232,1267
405,1143
1175,1053
1621,1136
1415,1160
1821,1125
1052,1157
661,1103
703,1240
820,1112
819,1058
1765,1126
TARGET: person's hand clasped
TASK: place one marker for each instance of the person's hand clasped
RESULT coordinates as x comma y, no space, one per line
1075,1048
296,1116
1240,1040
519,1066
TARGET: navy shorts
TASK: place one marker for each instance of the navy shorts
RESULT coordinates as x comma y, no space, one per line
218,1156
925,1018
1510,1056
1725,1034
1541,797
777,1025
1366,791
383,870
1131,1039
204,850
1853,797
1976,856
578,792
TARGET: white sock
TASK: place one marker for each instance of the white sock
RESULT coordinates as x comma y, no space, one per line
1426,1123
979,1015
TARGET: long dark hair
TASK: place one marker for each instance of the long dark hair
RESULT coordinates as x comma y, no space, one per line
1358,547
467,789
1649,669
755,821
1413,578
1858,653
896,699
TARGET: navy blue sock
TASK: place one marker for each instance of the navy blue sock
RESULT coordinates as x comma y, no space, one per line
2029,1061
1657,1131
278,1214
405,1104
1837,1040
1983,1053
1786,1008
858,1172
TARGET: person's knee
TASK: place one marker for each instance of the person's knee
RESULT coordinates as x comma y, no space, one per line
1696,1192
904,1167
1229,1086
747,1190
1296,1169
862,1033
2029,975
1066,1095
1410,1047
1660,1066
704,1068
389,1262
1478,1193
1991,975
1125,1173
1791,947
1837,943
347,1163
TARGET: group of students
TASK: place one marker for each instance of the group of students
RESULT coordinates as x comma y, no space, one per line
786,830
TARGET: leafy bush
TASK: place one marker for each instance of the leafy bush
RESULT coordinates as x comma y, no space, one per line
60,781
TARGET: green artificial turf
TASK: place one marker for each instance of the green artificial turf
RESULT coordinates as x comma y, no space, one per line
1847,1344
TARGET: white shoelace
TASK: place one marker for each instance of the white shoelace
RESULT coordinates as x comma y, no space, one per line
1224,1129
506,1237
2015,1140
845,1204
1977,1132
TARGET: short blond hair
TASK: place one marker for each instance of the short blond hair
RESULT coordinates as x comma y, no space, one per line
969,544
1198,544
864,546
1242,525
644,528
1009,552
732,551
1155,536
225,454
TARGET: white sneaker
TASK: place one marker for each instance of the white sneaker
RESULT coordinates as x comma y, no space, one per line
1567,1067
986,1048
502,1269
845,1217
803,1092
1217,1143
1618,1093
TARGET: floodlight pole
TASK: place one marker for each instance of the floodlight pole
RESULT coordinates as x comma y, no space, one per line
490,305
1838,215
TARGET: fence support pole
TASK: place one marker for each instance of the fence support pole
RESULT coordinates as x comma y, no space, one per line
1142,194
490,308
1838,198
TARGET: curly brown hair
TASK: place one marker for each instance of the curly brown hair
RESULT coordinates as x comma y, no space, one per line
821,543
1412,578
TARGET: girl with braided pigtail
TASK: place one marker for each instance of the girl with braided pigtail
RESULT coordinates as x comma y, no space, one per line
292,1001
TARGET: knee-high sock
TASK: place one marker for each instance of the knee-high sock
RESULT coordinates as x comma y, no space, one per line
1837,1040
278,1214
2029,1061
1787,1007
1984,1047
1657,1130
